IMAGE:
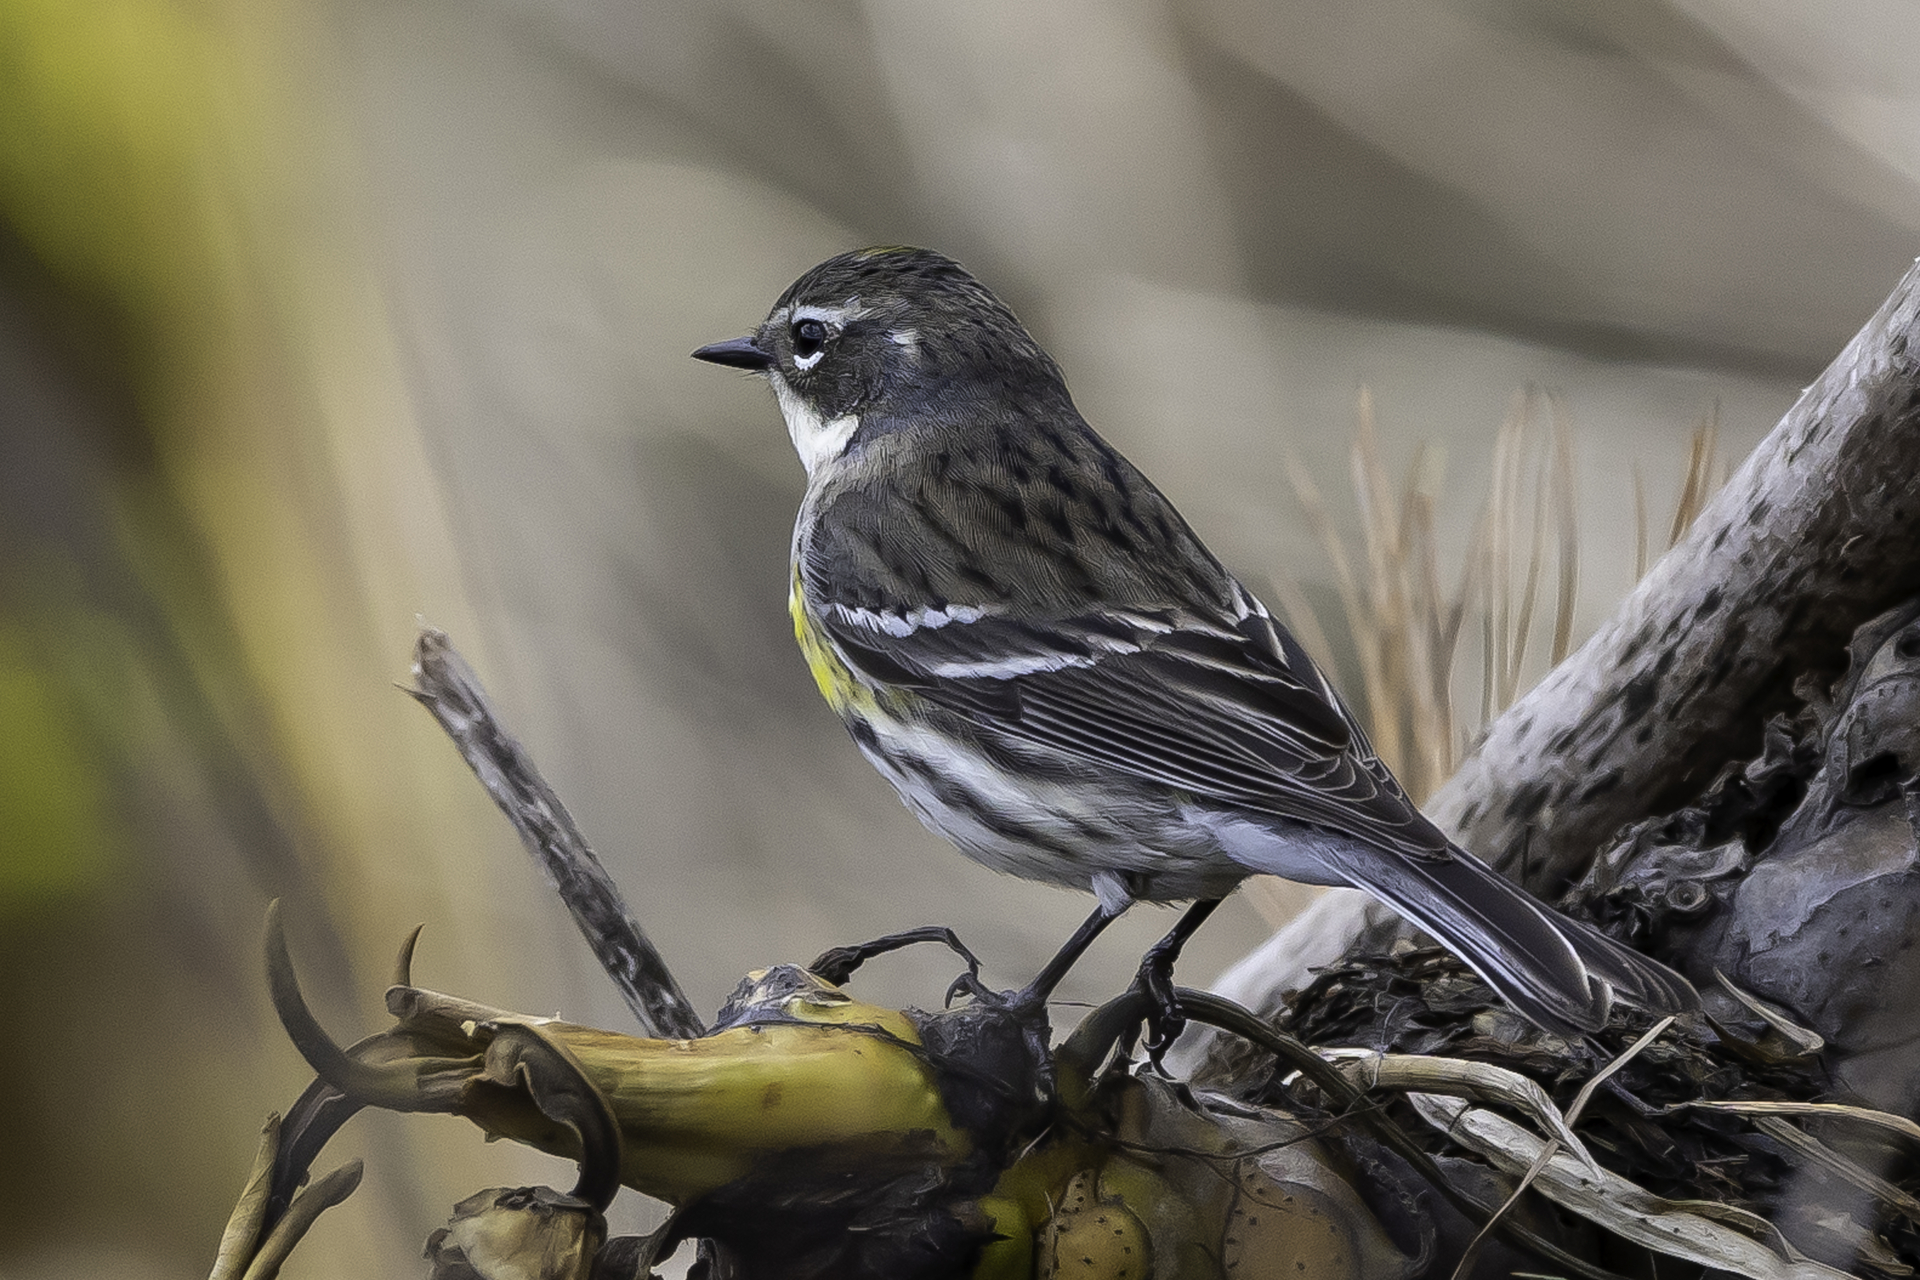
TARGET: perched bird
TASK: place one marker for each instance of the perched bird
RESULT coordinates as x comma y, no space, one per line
1030,643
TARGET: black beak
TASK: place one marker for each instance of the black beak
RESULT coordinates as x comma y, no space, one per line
740,353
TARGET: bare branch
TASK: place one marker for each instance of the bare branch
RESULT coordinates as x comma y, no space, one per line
447,687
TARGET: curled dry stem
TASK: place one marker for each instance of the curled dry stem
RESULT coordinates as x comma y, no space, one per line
1562,1136
1806,1040
1711,1235
522,1055
255,1243
1459,1078
394,1088
839,963
323,1195
1865,1117
1819,1154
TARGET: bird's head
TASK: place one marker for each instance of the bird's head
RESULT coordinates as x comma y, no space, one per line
886,338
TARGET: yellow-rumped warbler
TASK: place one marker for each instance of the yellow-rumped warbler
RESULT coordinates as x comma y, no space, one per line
1025,637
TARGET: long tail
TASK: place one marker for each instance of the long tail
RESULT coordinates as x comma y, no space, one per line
1562,973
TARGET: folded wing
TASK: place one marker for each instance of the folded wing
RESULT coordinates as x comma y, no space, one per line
1217,708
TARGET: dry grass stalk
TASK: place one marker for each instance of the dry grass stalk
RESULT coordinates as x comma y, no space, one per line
1639,524
1404,625
1696,486
1509,620
1567,533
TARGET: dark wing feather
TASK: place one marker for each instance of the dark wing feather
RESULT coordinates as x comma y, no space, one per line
1239,725
1200,705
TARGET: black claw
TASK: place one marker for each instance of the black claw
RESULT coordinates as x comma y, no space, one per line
1166,1019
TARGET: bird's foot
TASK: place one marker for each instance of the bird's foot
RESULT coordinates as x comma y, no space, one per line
1165,1018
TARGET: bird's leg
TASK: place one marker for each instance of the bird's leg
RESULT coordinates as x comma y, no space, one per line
1165,1019
1035,993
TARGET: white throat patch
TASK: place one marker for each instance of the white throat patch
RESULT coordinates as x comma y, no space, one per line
817,440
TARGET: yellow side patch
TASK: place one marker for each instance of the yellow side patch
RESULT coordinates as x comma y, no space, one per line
843,690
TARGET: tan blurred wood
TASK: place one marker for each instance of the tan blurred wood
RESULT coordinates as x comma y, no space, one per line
1816,533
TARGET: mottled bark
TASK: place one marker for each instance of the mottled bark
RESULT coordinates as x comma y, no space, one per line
1816,534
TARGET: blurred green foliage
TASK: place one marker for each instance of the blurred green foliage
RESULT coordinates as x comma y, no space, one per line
106,114
53,792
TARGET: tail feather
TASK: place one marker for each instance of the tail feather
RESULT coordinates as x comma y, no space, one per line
1639,980
1561,973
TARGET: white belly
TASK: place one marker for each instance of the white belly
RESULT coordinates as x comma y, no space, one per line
1079,834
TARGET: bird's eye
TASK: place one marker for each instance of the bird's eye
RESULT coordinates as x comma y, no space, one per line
809,339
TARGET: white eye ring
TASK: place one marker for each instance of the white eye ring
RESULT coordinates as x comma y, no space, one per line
804,363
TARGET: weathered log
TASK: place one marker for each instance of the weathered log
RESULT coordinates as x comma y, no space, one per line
1818,532
1798,877
1790,891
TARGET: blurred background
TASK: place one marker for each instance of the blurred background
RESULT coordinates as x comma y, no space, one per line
320,318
